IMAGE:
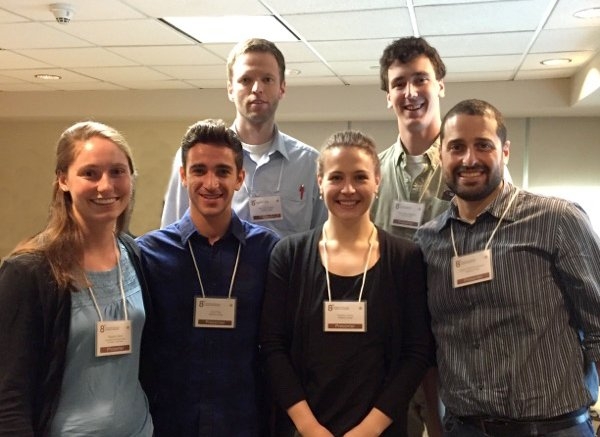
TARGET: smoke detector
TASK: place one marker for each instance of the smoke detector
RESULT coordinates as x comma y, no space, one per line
63,12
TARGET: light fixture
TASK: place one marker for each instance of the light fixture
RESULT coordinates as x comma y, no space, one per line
553,62
588,13
45,76
292,72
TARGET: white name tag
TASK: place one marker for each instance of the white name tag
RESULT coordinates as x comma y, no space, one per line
340,316
113,338
265,208
407,214
214,312
472,268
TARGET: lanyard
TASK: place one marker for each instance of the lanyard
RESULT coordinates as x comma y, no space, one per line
325,261
237,259
120,287
487,245
423,190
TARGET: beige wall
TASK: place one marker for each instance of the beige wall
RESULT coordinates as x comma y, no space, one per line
563,157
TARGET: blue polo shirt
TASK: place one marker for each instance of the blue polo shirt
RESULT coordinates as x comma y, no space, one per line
204,382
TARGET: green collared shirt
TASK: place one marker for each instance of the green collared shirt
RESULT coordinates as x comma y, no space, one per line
428,188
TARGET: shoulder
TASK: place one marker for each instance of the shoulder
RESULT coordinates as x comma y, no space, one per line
158,238
396,244
33,263
300,242
294,145
27,276
256,232
387,153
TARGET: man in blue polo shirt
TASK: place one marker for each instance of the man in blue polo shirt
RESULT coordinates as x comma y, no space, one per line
206,276
280,190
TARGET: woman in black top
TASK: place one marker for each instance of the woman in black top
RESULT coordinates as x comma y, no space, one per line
345,328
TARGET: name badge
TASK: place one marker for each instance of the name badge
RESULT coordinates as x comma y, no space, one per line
407,214
113,338
265,208
340,316
472,268
214,312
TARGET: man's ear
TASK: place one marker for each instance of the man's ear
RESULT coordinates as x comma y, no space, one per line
506,152
240,181
182,176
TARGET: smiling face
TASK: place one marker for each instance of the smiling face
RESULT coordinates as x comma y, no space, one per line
256,87
99,182
414,94
473,156
211,179
348,182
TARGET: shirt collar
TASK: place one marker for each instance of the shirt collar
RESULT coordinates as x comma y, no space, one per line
432,153
277,145
496,208
187,228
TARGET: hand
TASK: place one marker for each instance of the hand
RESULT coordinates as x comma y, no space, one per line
317,431
357,431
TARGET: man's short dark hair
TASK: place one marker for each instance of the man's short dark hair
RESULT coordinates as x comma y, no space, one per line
476,107
404,50
213,132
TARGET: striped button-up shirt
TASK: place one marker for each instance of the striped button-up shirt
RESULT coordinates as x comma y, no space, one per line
522,345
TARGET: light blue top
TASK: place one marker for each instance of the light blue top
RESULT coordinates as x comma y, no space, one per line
101,396
289,170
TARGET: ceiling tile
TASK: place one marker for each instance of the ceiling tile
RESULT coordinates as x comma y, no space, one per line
482,63
186,8
314,6
116,74
567,40
39,10
508,16
11,60
352,50
546,74
36,35
386,23
79,57
29,75
562,15
127,33
168,55
190,72
506,43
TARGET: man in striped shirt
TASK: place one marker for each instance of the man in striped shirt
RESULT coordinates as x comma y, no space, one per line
514,293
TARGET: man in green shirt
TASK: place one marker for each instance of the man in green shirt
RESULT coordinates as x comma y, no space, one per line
412,189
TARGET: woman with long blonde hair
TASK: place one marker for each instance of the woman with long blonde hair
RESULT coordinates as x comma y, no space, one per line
72,302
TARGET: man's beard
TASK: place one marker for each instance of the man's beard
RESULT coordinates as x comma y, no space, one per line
475,193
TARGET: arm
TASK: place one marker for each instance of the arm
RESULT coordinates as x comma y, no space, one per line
305,421
21,346
578,252
277,328
414,352
176,197
433,419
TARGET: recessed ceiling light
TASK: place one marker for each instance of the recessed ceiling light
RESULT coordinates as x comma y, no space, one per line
556,61
588,13
232,28
48,76
292,72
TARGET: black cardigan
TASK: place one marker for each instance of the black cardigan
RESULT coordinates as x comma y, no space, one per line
35,318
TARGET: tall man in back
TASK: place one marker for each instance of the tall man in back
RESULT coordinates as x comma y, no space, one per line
514,292
412,189
280,191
